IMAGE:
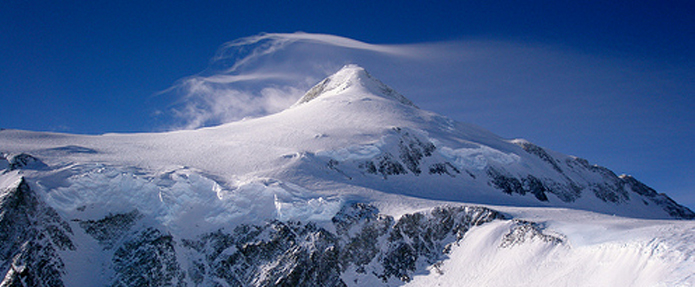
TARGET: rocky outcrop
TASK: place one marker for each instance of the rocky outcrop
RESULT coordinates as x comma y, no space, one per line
510,184
298,254
31,237
604,183
20,161
413,150
147,259
275,254
110,229
423,238
408,157
385,165
540,153
523,231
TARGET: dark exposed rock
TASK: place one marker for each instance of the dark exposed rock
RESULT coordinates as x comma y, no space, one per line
413,150
388,165
359,77
535,187
610,189
31,234
368,166
444,168
609,193
524,231
359,227
276,254
110,229
142,257
539,152
24,161
333,165
315,91
296,254
411,153
36,264
426,237
638,187
384,164
509,184
147,259
669,205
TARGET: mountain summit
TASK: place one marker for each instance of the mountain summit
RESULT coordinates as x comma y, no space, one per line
352,79
351,186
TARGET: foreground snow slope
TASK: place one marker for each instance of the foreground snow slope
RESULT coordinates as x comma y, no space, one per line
352,168
590,250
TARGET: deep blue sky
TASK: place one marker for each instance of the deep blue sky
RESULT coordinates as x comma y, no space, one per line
86,66
96,66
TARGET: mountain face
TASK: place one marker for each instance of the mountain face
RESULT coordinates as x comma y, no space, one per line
32,235
354,185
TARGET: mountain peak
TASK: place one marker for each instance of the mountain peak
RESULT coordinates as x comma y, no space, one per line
352,78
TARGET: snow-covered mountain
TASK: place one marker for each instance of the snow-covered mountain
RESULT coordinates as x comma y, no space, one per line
354,185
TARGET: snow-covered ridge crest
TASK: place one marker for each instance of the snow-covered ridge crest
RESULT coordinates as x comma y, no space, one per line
349,79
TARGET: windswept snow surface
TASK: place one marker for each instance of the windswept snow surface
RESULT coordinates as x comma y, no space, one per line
352,139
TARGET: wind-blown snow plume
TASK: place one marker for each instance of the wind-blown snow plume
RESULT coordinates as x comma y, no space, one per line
264,74
270,43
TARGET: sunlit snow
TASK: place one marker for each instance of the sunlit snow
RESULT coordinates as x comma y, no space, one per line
354,139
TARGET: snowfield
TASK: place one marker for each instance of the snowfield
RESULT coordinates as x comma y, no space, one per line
352,186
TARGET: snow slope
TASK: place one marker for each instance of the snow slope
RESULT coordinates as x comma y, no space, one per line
595,250
351,139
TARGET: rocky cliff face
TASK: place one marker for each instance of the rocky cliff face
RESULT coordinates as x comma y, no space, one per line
303,254
278,253
358,240
609,187
32,236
